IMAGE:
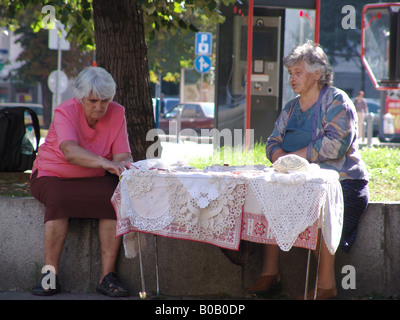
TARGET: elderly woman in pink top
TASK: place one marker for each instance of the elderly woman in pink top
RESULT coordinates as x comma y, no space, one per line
76,172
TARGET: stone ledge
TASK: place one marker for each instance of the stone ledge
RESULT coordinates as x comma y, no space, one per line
189,268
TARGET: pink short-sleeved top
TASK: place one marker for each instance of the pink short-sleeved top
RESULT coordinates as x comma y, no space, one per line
69,123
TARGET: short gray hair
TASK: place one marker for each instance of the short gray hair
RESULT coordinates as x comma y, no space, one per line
97,81
315,60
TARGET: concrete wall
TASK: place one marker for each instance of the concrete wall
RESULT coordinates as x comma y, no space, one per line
189,268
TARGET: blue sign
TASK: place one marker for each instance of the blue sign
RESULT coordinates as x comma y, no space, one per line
203,43
202,64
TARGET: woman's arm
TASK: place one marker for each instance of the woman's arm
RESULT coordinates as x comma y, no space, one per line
79,156
274,143
338,129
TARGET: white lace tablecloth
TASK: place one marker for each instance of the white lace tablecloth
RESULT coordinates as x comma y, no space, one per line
214,205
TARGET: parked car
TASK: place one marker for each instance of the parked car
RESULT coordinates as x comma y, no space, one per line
167,104
194,115
38,108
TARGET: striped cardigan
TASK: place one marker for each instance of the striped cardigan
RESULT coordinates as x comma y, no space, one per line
334,142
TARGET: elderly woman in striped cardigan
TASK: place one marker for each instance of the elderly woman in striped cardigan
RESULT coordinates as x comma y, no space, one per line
320,125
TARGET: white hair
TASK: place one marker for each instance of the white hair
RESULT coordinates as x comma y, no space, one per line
315,60
97,81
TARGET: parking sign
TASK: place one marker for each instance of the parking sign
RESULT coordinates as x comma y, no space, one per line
203,43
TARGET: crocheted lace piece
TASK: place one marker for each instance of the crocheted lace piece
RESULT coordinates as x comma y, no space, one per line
290,162
214,220
140,203
291,203
206,205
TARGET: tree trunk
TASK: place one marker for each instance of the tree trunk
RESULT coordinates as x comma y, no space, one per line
47,102
121,50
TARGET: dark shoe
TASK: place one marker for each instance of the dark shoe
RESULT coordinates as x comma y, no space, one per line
111,287
266,286
322,294
38,290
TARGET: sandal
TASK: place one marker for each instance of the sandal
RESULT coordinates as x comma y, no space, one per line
266,286
38,290
111,287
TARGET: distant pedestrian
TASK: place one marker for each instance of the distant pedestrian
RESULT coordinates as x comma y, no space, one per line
362,111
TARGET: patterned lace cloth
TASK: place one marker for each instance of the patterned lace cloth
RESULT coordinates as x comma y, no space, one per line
181,200
207,205
293,202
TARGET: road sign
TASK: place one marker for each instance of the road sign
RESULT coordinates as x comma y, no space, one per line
202,64
203,43
62,84
55,41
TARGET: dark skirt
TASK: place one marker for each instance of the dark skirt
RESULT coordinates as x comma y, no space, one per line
355,198
75,197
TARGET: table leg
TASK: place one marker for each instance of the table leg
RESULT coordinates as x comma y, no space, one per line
318,262
142,294
307,274
157,278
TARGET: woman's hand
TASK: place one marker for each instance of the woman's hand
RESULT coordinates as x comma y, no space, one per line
277,154
79,156
280,153
114,167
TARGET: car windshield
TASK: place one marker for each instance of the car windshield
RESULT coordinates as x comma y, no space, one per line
373,107
170,103
209,109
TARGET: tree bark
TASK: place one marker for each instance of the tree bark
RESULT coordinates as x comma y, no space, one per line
47,103
121,49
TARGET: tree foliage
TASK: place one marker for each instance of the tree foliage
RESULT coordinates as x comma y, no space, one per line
76,15
117,29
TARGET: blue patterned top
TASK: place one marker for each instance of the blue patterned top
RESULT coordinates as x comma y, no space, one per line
333,143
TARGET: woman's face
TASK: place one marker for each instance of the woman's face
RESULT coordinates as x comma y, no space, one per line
301,80
94,108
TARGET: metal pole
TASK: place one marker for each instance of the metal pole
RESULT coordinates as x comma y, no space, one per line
370,121
249,70
58,102
318,262
157,277
201,86
307,274
142,294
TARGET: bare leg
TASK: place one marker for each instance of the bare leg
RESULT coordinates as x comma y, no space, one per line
55,233
326,275
109,245
270,257
269,280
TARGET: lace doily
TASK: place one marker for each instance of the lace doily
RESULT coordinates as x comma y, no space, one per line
291,203
214,220
140,201
205,188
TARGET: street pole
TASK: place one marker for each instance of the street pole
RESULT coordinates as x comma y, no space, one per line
58,97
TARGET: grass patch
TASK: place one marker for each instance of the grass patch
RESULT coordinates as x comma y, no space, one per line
383,165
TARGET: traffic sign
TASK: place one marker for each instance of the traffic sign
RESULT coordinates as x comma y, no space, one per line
56,41
203,43
202,64
62,81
